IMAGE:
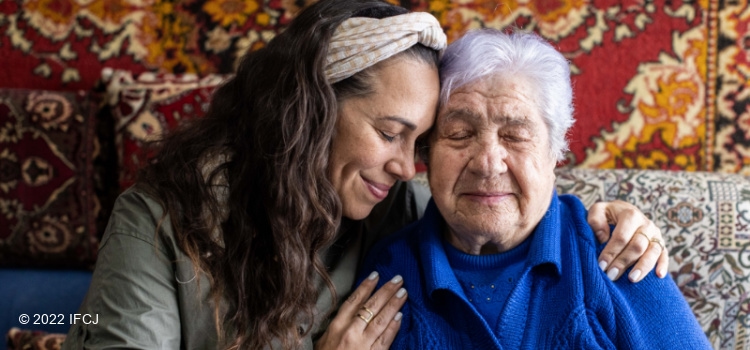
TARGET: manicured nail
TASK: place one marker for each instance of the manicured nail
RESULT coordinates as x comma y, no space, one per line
603,265
401,292
373,275
612,273
599,233
397,279
634,275
663,273
398,316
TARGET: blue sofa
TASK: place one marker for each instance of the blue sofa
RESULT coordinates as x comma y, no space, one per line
36,292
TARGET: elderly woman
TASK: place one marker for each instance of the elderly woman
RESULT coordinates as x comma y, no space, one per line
499,260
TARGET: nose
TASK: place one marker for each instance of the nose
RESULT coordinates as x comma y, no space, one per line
402,165
488,158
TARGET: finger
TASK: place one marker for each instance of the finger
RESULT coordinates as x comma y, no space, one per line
385,339
637,246
372,307
652,231
354,302
646,263
663,265
627,221
381,321
598,221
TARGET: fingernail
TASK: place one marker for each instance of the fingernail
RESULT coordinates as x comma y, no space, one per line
663,273
401,292
373,275
603,265
634,275
397,279
600,233
398,316
612,273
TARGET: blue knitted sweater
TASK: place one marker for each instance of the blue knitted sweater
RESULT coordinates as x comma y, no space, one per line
562,299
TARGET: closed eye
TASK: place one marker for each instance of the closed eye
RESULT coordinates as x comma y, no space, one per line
387,137
514,138
462,135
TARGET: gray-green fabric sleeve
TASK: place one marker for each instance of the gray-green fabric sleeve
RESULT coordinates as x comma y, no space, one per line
133,294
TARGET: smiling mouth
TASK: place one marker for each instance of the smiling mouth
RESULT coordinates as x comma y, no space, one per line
487,197
379,191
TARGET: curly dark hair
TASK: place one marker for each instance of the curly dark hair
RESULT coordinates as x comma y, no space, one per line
245,188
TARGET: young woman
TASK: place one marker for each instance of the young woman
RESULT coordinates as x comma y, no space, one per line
247,228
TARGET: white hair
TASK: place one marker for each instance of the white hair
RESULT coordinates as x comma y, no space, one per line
487,52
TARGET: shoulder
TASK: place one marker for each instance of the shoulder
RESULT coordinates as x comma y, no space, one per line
404,242
572,206
406,236
136,201
394,253
654,311
137,215
574,216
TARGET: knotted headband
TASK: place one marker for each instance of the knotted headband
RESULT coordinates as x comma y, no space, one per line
359,42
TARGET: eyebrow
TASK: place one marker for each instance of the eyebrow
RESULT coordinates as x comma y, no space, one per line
467,113
406,123
461,113
514,122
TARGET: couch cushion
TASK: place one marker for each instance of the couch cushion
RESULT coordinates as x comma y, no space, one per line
37,292
48,206
145,106
705,220
24,339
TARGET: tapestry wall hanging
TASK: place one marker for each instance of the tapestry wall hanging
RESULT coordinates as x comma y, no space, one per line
658,84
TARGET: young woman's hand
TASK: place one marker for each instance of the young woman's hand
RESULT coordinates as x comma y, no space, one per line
364,321
635,240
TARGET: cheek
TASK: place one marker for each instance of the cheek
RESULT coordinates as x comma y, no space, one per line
445,168
352,151
536,178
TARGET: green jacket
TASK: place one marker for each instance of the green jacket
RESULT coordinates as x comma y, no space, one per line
147,296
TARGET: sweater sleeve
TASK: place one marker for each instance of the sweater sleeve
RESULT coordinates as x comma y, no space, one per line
653,314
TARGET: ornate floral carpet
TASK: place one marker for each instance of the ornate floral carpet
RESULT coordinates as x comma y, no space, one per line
659,84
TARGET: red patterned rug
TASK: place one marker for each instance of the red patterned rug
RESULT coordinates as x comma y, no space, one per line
659,84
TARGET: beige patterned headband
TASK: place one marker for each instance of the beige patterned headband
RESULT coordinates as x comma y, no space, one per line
359,42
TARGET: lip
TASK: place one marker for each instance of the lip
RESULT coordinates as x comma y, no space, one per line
378,190
487,197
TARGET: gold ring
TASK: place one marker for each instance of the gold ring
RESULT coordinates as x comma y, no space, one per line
372,314
367,320
659,242
644,235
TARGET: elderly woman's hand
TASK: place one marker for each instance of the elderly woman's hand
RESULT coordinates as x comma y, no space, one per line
635,240
364,321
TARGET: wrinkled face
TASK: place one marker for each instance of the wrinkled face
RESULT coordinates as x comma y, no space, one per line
490,167
375,134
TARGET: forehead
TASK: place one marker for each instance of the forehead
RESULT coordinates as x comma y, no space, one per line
405,88
495,96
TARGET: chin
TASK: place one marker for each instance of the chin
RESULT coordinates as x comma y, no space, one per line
357,213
